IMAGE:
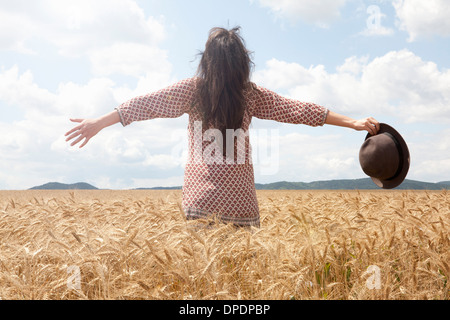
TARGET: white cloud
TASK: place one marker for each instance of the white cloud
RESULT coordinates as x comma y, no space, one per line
162,161
353,65
89,100
77,26
282,75
30,145
430,159
20,91
26,149
14,31
130,59
398,84
114,35
423,18
319,12
379,31
318,157
34,149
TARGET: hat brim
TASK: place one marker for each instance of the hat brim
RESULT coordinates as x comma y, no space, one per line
400,177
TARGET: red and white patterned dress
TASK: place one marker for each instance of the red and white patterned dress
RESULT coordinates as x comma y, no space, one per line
222,189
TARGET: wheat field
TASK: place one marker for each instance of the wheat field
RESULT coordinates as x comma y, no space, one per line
312,245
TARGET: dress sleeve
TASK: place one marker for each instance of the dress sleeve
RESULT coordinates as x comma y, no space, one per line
271,106
170,102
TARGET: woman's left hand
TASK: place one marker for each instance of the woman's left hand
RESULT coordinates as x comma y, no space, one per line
369,124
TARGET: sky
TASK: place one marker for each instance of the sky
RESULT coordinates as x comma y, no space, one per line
62,59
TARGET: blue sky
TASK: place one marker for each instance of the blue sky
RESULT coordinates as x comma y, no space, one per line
62,58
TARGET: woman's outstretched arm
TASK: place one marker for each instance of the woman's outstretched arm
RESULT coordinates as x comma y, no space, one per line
88,128
369,124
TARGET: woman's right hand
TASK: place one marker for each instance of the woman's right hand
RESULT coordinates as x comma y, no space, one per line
86,129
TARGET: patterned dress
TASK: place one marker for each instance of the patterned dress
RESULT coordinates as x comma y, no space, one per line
219,185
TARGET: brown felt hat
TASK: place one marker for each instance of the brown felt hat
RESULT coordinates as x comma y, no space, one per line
385,157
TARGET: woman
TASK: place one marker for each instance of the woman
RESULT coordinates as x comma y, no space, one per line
220,101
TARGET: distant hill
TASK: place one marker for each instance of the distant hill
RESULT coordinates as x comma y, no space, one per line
63,186
160,188
348,184
343,184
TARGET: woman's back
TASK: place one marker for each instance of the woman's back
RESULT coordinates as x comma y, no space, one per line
219,175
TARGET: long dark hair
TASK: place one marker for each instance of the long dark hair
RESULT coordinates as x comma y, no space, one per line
224,73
